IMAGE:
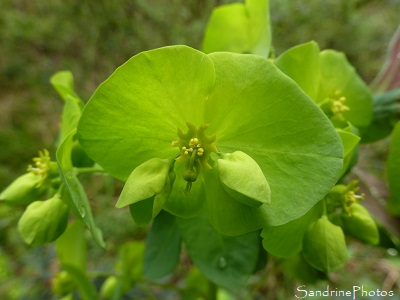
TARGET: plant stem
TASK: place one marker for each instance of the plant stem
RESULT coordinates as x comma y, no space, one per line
212,290
90,170
324,207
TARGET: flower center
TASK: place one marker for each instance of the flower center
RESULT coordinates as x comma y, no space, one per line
195,148
42,165
337,105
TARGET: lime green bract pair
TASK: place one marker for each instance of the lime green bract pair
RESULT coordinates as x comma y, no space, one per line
227,133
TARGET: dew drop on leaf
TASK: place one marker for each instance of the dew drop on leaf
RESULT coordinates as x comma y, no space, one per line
82,211
222,263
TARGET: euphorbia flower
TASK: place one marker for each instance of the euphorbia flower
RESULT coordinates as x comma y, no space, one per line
202,116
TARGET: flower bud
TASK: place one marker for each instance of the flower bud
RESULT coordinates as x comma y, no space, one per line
243,179
43,221
324,246
108,288
359,223
24,190
62,284
147,180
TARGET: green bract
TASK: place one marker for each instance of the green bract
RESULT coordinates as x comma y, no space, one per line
240,28
148,180
24,190
205,104
252,190
324,246
359,223
43,221
329,79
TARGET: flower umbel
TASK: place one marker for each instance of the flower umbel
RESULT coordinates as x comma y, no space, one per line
336,101
195,149
42,165
240,98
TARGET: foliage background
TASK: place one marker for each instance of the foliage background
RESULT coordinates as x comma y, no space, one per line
92,38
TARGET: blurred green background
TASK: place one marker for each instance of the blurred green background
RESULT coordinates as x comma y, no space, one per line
91,38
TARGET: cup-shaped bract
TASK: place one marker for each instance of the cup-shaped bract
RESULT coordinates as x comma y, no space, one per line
221,102
43,221
243,179
331,81
360,224
324,245
24,190
146,181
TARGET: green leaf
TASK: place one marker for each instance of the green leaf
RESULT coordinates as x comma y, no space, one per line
142,212
185,205
227,261
360,224
386,109
251,190
350,142
63,82
296,267
338,76
393,171
240,28
163,246
70,116
71,246
229,216
85,287
302,64
75,188
324,246
285,133
286,240
43,221
141,105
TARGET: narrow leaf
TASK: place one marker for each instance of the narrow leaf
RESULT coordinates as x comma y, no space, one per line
63,82
75,188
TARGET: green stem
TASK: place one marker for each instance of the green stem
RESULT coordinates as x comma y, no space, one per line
324,212
212,290
89,170
192,159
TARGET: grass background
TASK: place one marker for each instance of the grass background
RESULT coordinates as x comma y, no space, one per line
92,38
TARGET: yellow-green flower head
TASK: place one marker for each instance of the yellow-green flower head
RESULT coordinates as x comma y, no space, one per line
189,111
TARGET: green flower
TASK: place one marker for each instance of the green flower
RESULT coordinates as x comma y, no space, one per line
209,108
